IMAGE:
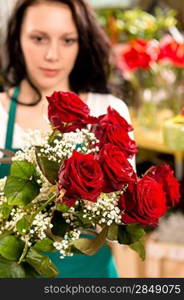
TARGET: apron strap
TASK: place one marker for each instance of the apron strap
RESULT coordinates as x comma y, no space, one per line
6,160
11,120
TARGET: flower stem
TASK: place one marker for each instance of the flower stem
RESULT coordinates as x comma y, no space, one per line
42,207
24,252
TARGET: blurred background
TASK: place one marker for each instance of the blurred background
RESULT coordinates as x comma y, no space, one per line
147,38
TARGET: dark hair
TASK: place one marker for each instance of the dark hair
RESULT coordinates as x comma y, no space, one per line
91,69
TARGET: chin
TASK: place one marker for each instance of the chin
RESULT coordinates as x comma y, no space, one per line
48,84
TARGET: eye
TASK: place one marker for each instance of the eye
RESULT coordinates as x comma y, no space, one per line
39,39
70,41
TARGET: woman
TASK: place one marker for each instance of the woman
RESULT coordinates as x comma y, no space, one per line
55,45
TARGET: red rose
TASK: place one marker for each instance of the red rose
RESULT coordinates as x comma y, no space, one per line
81,177
116,169
172,51
165,176
113,129
143,203
79,124
114,118
67,112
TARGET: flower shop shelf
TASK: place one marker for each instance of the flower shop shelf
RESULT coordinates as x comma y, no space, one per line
164,259
152,139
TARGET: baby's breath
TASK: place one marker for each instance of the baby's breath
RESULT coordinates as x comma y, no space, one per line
63,145
64,246
41,223
104,211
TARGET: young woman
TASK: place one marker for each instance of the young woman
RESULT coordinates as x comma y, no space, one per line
55,45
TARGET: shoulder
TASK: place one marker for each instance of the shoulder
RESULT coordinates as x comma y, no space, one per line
102,101
2,96
4,101
3,112
3,118
117,104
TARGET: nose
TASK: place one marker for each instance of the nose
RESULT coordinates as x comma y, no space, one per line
52,51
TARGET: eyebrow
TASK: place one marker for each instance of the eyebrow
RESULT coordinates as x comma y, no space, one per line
65,33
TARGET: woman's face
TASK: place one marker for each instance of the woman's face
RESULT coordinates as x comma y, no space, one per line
49,42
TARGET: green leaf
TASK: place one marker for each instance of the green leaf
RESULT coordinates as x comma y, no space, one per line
60,227
136,231
21,186
123,236
41,263
113,232
4,211
49,168
129,234
23,226
22,169
62,207
19,191
29,270
44,245
10,269
75,250
11,247
90,247
139,248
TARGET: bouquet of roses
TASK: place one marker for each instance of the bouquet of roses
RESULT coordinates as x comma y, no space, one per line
77,179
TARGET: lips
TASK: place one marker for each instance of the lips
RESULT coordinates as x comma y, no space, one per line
50,72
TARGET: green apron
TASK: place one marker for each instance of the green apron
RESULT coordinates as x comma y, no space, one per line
100,265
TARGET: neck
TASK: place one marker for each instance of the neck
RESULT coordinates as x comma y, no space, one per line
28,94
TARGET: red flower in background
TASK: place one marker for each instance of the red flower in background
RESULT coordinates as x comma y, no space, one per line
172,51
165,176
113,129
116,169
67,112
138,53
182,111
143,202
81,177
